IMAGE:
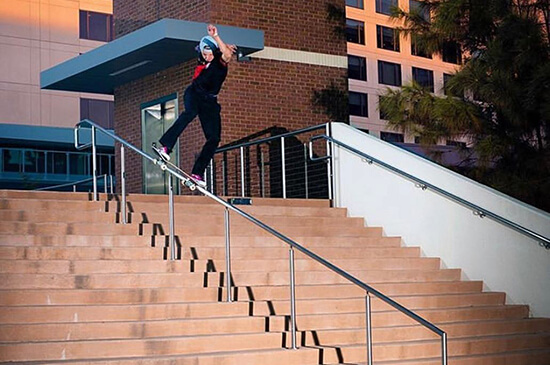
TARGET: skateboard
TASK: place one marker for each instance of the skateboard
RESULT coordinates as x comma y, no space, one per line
163,163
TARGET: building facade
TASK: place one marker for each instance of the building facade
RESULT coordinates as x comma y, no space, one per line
36,138
273,88
380,58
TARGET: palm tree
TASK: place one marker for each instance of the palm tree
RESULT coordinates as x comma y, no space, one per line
499,100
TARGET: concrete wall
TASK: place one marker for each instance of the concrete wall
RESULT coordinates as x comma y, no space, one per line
36,35
486,250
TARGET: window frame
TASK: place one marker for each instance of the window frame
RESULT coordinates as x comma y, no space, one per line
364,112
431,83
360,31
381,36
362,68
398,76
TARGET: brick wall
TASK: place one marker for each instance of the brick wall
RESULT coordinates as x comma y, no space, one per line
131,15
299,25
256,95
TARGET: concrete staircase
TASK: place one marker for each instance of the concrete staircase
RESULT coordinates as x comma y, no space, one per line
77,287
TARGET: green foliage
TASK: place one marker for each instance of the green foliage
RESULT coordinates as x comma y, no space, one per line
333,101
499,100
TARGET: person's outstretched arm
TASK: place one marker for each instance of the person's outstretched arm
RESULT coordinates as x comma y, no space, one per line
227,50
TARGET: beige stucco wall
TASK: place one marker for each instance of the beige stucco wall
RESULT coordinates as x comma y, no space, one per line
36,35
372,53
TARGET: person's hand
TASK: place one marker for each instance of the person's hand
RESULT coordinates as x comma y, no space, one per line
212,30
232,48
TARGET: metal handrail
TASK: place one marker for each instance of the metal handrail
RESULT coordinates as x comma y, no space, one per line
74,183
293,245
272,138
479,211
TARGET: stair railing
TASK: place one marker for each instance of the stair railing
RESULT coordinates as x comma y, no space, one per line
292,246
478,211
281,138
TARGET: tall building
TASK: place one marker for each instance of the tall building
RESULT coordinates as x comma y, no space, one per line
36,142
380,58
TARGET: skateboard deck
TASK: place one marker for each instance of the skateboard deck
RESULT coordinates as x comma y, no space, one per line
163,163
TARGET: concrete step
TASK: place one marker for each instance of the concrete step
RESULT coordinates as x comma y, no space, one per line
432,349
191,241
276,356
106,296
50,215
116,313
353,291
83,267
22,297
190,228
42,332
148,253
215,279
526,357
71,350
334,337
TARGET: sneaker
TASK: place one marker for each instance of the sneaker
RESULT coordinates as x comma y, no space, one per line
162,152
199,180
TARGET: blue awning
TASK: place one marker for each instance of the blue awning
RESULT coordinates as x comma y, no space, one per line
151,49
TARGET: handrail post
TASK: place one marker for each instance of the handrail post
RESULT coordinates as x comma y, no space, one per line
292,298
172,242
227,256
283,166
444,348
111,184
368,328
329,164
262,172
224,174
242,172
105,183
94,164
123,184
305,171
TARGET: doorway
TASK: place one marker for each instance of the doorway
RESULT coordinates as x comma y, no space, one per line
156,117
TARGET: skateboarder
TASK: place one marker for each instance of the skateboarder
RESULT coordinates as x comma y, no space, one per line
201,98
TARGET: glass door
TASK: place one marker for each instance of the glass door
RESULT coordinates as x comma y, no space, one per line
156,118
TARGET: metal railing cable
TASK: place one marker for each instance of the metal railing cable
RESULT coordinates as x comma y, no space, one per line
477,210
288,153
186,181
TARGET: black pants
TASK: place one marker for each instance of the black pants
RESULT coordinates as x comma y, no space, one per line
208,110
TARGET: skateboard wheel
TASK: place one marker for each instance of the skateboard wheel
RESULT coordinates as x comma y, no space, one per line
163,167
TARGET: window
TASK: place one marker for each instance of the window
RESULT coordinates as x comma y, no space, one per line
389,73
392,137
424,78
35,161
100,111
358,104
357,68
355,31
12,160
57,163
446,78
355,3
417,49
385,6
451,53
387,38
417,8
96,26
79,164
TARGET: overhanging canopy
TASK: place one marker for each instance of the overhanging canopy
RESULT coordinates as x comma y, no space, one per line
151,49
